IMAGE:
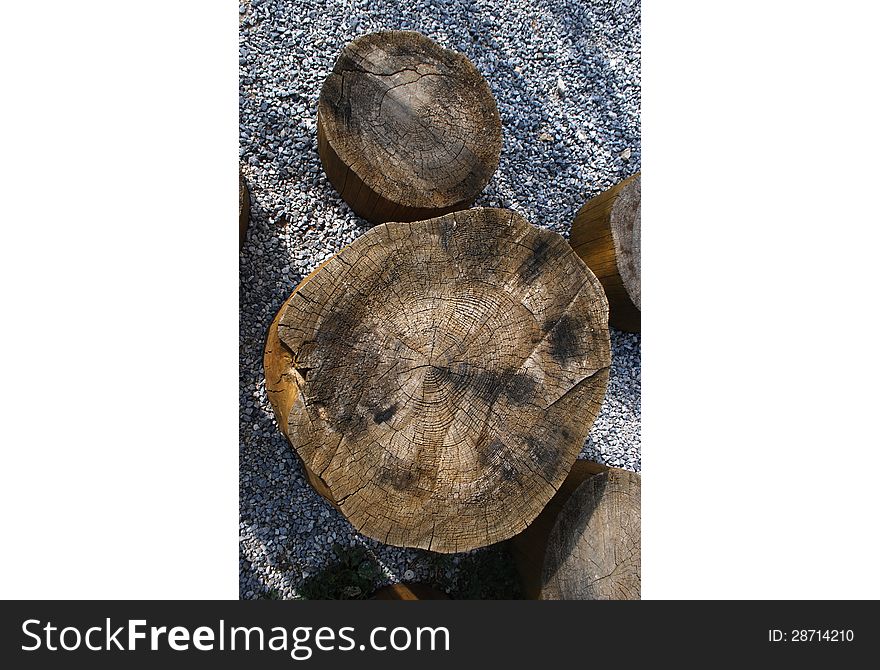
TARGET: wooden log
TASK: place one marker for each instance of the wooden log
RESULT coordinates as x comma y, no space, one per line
244,210
606,234
409,592
586,544
528,547
407,130
438,378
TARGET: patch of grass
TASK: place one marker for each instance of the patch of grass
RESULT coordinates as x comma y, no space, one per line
438,565
352,576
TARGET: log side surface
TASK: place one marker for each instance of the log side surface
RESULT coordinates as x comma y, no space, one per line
438,378
606,234
407,130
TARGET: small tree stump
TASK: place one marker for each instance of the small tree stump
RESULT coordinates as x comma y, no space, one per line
607,234
586,544
438,378
528,547
407,130
244,210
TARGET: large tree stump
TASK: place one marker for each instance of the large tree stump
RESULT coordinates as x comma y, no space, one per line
407,130
438,378
586,544
607,234
244,210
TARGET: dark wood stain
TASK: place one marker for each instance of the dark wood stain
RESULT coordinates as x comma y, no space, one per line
566,339
384,415
534,265
544,454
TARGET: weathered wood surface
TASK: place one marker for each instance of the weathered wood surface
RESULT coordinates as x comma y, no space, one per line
244,210
586,545
606,234
407,130
281,384
409,592
438,378
529,546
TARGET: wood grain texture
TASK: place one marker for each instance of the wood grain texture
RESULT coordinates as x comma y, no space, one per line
606,234
409,592
244,210
594,549
407,130
438,378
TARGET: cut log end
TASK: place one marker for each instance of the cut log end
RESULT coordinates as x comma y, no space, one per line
606,234
438,378
407,130
594,549
528,547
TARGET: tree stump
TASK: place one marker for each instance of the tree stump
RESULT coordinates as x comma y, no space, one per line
607,234
407,130
586,544
409,592
528,547
438,378
244,210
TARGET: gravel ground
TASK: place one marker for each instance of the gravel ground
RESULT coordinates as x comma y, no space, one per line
566,77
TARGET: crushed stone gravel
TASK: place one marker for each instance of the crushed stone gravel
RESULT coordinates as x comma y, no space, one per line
566,78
